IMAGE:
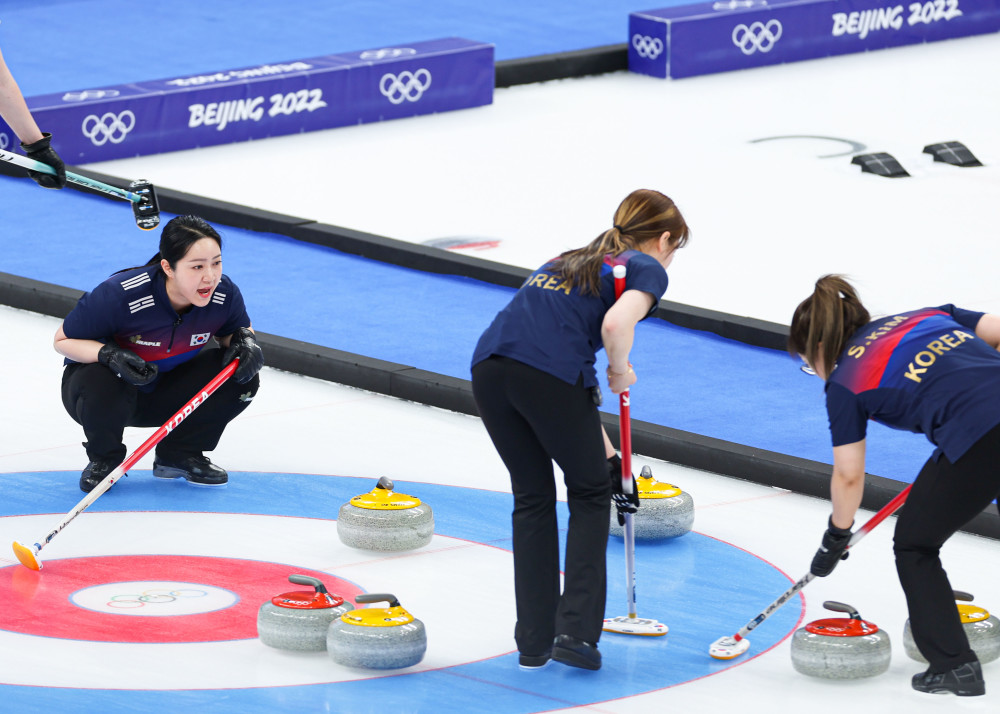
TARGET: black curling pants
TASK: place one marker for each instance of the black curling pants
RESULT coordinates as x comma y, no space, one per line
945,496
534,418
104,405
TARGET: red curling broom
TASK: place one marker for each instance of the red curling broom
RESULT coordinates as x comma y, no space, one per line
632,624
28,556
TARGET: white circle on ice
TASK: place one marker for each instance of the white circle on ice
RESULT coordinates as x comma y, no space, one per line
480,571
154,599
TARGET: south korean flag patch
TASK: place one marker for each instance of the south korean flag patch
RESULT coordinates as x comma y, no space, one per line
198,340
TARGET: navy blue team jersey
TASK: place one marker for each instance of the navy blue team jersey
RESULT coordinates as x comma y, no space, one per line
132,309
558,330
923,371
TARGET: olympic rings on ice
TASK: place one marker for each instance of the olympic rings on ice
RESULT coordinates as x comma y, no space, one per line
153,597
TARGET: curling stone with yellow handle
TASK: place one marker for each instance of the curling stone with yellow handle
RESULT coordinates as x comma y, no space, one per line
384,520
300,620
377,637
982,629
665,511
841,648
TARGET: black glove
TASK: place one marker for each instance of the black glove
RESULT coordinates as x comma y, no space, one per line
624,502
243,345
127,365
42,151
832,550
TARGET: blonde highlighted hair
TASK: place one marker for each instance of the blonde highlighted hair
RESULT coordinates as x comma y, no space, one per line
643,216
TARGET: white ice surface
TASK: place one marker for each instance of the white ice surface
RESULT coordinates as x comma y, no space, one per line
290,427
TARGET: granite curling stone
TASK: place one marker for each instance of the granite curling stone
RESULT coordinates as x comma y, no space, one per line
377,637
300,620
385,521
841,648
982,629
665,511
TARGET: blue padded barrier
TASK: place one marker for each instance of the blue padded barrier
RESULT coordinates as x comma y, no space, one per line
707,37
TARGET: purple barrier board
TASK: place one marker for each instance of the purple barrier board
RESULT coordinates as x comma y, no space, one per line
688,40
270,100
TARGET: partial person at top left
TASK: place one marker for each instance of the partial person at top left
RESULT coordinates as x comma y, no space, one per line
36,144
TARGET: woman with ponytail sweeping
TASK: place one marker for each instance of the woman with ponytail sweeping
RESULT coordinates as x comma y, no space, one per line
537,391
934,371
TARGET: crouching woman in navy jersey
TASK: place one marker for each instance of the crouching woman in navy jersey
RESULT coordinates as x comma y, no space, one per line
133,348
534,383
934,371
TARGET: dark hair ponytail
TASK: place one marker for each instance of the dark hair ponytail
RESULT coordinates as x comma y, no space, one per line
824,321
643,216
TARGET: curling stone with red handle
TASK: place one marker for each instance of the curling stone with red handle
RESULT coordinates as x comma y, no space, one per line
841,648
300,620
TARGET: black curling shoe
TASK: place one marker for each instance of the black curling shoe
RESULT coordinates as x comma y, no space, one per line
965,681
94,473
576,652
196,469
534,661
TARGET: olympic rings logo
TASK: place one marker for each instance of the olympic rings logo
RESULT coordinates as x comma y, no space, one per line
405,86
758,36
387,53
152,597
109,127
647,47
90,94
